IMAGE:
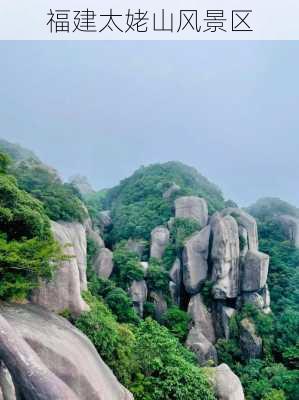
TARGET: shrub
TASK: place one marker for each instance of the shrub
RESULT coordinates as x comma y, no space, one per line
177,322
168,369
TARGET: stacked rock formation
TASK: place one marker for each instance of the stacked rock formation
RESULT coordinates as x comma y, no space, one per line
225,253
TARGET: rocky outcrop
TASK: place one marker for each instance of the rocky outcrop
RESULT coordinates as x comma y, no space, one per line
192,207
226,384
175,275
266,297
222,316
138,294
254,299
251,343
290,226
201,317
201,346
175,272
105,220
49,359
64,290
159,241
255,271
8,390
103,264
136,246
195,260
247,222
160,304
225,256
174,188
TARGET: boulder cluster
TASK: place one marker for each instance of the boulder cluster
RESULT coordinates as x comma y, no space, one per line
224,255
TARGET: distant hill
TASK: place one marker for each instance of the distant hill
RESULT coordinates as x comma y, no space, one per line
139,204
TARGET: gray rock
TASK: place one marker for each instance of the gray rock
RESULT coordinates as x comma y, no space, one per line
225,256
174,188
253,298
247,222
105,220
255,271
290,226
174,293
96,238
192,207
64,290
144,266
227,385
103,264
82,184
6,384
138,294
227,314
266,297
243,236
195,256
201,317
175,272
201,346
136,246
159,304
250,342
50,359
159,241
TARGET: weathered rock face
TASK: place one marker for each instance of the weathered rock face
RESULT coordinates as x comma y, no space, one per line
253,298
201,346
174,188
247,222
94,236
251,343
225,256
266,297
66,365
195,264
159,241
105,220
138,294
103,264
64,290
222,316
192,207
159,304
201,317
175,272
6,384
136,246
255,271
175,275
290,226
227,384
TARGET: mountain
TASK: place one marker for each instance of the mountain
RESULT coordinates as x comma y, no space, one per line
172,285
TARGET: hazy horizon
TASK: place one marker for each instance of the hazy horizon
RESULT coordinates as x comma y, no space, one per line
103,109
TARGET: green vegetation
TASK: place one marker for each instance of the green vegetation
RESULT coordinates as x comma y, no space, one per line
127,267
177,322
28,251
138,205
61,200
146,358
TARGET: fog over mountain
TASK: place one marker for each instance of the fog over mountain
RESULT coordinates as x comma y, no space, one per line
103,109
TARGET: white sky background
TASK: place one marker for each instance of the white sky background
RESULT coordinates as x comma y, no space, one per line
102,109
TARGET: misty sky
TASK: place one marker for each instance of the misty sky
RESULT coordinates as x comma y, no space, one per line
102,109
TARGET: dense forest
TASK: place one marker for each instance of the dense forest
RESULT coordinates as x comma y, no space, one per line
146,351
